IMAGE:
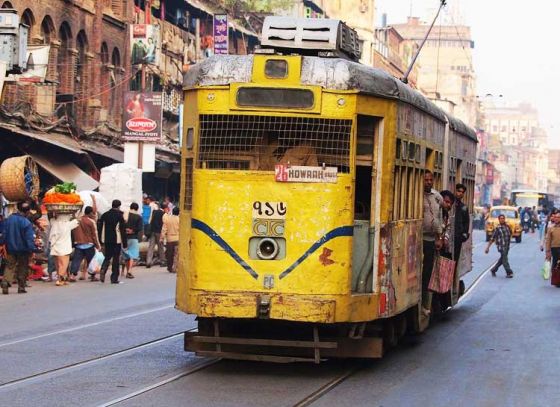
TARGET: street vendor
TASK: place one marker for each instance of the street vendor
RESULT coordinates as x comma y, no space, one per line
62,203
60,240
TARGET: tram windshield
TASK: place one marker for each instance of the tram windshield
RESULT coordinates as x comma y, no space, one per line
250,142
508,213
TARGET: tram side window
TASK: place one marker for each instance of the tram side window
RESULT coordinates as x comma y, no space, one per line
411,199
408,182
396,192
407,193
403,195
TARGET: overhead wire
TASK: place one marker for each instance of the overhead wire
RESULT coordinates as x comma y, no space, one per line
462,42
437,58
102,92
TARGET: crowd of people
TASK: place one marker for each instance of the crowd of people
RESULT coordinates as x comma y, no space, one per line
36,244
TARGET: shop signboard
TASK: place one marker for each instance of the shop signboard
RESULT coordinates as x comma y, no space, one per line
142,116
145,43
221,34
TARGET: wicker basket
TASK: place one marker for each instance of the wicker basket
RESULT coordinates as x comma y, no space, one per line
19,178
63,207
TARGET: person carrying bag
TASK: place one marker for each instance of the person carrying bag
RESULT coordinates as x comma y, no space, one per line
553,248
442,275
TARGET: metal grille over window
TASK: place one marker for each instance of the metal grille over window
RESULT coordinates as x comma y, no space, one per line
188,184
246,142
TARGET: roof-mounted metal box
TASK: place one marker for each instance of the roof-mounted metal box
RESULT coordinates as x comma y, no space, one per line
311,36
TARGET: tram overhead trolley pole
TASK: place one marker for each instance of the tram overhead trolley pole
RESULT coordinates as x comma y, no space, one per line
405,77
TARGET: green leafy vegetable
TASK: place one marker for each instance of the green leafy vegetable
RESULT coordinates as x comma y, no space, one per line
65,188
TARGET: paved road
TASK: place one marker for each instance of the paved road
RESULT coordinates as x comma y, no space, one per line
497,348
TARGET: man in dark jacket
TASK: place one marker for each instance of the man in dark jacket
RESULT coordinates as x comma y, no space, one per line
155,226
462,221
112,235
20,242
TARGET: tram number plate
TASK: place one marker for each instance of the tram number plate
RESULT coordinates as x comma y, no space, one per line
292,173
269,210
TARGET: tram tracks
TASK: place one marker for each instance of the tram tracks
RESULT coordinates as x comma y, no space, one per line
344,376
45,375
327,387
194,369
306,401
84,326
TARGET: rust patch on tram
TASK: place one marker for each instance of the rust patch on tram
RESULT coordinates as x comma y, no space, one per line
324,258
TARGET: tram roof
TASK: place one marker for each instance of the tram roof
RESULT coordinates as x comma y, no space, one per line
329,73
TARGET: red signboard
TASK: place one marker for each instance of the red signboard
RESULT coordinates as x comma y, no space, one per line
142,116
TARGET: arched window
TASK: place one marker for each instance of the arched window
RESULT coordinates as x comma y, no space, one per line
48,35
7,4
82,76
65,61
116,86
106,72
81,60
28,19
48,31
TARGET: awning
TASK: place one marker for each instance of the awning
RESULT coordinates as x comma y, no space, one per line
101,149
55,139
66,172
202,7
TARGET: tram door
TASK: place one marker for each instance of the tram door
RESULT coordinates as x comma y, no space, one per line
364,204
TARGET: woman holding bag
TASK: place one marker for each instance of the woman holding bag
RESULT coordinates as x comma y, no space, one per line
553,248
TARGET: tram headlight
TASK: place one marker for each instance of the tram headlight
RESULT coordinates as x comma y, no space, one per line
267,249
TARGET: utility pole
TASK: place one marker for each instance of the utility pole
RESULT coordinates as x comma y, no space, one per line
147,13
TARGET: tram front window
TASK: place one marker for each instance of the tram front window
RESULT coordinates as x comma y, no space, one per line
241,142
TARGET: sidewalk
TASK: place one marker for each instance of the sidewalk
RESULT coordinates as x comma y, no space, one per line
85,300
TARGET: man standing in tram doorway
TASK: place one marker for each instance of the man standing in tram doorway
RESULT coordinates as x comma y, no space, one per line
502,237
432,229
462,221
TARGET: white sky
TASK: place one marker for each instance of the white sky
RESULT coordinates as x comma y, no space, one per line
515,53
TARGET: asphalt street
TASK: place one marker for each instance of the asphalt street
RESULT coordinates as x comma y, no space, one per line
90,344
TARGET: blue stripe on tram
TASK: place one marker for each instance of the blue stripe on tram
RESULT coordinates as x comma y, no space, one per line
212,234
338,232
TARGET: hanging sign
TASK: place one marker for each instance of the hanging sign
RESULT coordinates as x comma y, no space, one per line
142,116
221,34
145,44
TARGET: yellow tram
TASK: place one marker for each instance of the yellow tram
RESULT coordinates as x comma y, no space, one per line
302,180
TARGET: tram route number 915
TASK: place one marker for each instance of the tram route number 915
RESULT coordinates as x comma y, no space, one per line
269,210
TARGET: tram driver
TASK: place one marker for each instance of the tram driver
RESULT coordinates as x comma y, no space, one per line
275,152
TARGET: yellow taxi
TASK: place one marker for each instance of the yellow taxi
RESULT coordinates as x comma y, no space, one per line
512,219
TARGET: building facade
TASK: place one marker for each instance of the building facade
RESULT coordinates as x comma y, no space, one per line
446,70
519,143
360,15
84,68
66,108
393,54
